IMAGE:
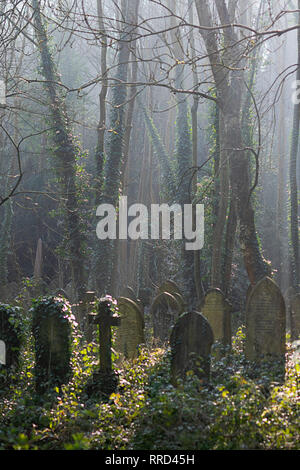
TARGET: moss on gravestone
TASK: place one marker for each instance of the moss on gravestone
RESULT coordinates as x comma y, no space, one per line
52,330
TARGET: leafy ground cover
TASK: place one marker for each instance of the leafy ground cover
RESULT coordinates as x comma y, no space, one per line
236,410
242,407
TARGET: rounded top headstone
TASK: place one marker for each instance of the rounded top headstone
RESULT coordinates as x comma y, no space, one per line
191,340
265,321
129,293
129,303
166,299
169,286
130,334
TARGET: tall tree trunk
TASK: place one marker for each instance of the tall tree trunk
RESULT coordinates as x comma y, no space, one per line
282,226
220,225
229,247
100,150
121,246
113,166
66,153
194,113
294,224
160,153
228,79
184,156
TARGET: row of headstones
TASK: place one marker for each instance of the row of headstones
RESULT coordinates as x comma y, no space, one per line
265,328
265,322
51,326
192,333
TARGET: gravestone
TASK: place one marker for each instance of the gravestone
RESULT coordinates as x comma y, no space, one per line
129,293
191,341
217,310
105,379
172,288
265,322
295,317
10,335
164,312
52,331
130,334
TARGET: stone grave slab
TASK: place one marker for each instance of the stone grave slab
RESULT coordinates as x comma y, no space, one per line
217,310
265,322
191,341
164,311
130,334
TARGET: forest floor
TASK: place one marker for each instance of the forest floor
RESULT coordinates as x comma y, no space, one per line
235,411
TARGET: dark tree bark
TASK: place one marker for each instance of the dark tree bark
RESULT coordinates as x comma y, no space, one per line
65,152
294,223
100,150
115,150
228,80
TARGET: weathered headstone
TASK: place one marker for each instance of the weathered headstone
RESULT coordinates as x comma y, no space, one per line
191,342
295,317
129,293
265,322
105,380
164,312
52,331
10,335
170,286
217,310
130,334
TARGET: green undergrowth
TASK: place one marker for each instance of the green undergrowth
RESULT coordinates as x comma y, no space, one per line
236,410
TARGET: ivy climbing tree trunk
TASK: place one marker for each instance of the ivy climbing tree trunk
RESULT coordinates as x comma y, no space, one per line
194,114
122,245
162,156
184,154
100,150
113,165
228,79
294,223
65,151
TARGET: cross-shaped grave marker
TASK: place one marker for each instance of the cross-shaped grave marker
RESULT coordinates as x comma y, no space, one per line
105,319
